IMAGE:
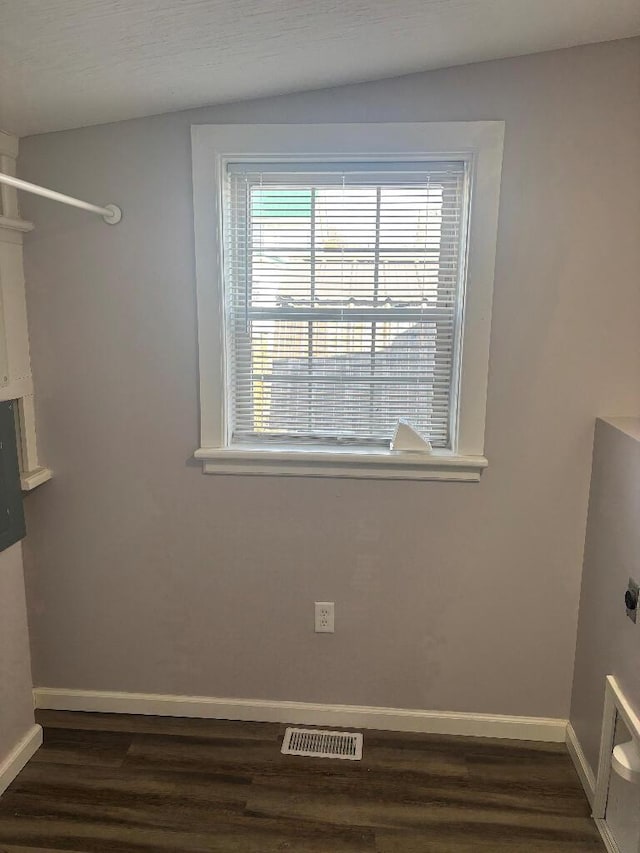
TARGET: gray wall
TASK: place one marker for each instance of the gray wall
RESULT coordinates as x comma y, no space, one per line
145,575
608,642
16,699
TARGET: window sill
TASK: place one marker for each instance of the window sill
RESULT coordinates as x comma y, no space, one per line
348,462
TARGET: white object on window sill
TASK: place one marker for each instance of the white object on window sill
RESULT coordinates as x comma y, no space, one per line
407,437
350,462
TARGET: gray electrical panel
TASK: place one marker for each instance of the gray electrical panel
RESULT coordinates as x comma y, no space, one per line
12,524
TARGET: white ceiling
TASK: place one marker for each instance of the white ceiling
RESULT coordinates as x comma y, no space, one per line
69,63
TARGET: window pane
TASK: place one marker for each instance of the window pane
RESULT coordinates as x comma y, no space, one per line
342,305
320,381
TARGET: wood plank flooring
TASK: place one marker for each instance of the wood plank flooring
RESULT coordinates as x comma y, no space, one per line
134,784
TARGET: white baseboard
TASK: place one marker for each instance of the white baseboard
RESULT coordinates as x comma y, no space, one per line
19,756
607,839
266,711
583,768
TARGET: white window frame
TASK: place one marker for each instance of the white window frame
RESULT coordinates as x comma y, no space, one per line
480,145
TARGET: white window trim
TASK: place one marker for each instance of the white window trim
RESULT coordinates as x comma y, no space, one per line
480,143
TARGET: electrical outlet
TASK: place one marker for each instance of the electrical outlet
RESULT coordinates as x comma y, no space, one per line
325,611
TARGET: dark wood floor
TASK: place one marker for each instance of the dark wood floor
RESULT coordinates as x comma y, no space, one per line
127,784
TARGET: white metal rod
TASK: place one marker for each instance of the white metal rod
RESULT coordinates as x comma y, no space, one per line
111,213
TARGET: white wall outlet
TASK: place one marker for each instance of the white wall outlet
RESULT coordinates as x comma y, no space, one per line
325,611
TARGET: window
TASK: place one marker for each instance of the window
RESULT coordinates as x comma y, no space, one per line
343,287
342,300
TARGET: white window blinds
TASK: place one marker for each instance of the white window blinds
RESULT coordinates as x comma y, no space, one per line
343,292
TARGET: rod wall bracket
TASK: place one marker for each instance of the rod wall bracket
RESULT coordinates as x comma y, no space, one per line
114,216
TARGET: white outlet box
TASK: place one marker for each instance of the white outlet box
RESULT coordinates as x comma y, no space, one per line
325,612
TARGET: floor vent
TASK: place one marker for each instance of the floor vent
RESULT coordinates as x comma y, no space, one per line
322,744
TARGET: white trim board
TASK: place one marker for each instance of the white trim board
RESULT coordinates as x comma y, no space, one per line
615,704
19,755
583,768
607,839
261,710
588,779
